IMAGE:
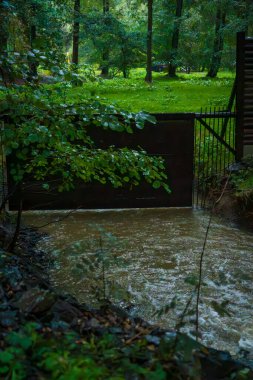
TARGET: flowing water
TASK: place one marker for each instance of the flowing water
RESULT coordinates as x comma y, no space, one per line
148,259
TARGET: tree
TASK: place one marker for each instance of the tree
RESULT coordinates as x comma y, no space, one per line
127,48
105,54
76,31
218,40
148,77
175,39
4,16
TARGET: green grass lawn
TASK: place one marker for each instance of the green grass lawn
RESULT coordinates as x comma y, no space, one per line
187,93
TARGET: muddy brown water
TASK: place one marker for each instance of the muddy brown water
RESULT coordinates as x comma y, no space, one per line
144,259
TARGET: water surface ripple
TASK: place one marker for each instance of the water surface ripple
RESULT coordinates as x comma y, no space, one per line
149,258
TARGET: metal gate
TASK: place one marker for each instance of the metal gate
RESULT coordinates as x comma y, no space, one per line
214,150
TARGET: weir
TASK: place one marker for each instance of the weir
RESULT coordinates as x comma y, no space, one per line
172,138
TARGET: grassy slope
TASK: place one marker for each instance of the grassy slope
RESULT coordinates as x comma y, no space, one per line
187,93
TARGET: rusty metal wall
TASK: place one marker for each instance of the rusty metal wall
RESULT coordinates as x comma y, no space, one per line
171,138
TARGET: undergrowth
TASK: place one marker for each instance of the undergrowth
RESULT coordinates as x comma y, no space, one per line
186,93
242,179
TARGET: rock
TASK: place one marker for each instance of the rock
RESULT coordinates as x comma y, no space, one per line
116,330
153,339
35,301
13,275
94,323
218,364
66,312
5,235
2,294
8,318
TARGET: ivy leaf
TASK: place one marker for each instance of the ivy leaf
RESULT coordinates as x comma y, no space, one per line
6,357
156,184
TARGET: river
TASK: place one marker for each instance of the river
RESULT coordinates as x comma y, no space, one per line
148,260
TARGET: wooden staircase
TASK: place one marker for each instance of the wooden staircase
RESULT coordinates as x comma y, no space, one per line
244,93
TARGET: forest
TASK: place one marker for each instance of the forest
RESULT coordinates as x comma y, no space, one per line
115,36
135,294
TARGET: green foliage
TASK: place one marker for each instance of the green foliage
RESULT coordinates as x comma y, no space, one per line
63,354
242,179
127,48
95,261
242,182
49,18
50,140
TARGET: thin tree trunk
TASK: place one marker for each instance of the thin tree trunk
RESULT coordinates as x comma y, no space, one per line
175,40
105,54
33,35
3,28
4,33
248,16
76,33
218,42
148,77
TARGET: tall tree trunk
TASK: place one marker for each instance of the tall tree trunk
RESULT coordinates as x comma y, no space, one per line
4,76
175,39
76,32
33,35
248,17
218,42
148,77
105,54
3,28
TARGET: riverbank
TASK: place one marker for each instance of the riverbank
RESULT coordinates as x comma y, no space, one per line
235,208
46,335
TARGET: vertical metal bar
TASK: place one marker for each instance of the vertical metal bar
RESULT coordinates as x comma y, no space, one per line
220,145
212,149
226,137
199,158
207,160
204,165
224,148
196,162
240,65
217,143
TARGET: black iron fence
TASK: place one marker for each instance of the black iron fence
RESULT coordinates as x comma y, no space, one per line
214,150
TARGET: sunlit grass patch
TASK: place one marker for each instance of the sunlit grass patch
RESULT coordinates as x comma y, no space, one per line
186,93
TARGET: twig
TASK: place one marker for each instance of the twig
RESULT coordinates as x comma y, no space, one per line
202,255
59,219
141,333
